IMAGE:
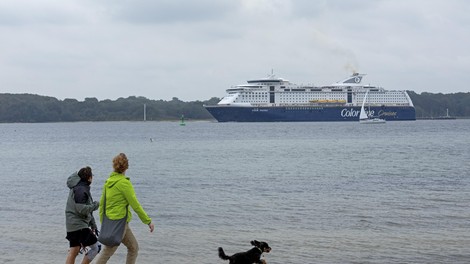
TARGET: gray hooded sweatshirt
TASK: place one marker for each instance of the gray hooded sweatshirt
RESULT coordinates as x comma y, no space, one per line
80,205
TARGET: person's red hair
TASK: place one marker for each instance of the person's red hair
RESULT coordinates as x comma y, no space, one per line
120,163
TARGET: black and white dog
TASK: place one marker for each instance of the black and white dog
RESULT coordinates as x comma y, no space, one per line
249,257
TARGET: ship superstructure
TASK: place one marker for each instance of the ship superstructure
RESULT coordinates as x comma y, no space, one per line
277,99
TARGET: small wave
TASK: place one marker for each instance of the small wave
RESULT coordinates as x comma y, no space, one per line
12,209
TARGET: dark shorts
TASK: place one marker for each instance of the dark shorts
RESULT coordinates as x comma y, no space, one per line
83,237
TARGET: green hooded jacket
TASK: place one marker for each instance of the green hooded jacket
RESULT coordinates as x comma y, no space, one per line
119,194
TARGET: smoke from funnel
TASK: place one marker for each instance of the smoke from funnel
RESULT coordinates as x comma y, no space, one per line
337,49
350,67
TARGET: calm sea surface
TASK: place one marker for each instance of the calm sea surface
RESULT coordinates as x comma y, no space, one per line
316,192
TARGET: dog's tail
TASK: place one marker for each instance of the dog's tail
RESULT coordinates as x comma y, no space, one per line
222,254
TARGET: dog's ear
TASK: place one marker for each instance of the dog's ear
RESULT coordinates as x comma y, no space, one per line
255,243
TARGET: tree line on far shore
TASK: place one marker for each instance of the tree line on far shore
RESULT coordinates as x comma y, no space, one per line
429,105
30,108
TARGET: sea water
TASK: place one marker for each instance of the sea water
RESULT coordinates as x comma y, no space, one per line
316,192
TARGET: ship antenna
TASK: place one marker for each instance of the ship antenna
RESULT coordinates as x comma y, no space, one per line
272,73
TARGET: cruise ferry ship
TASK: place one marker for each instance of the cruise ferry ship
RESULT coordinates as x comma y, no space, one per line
274,99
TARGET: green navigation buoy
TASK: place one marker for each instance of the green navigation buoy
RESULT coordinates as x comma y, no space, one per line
182,121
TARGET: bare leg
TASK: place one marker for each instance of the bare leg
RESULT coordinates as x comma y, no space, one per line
73,252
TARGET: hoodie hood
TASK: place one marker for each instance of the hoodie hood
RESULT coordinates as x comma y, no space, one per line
80,205
73,180
114,178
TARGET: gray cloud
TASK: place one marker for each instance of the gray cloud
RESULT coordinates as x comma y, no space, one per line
168,11
194,50
34,13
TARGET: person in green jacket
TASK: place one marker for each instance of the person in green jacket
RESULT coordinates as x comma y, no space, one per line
120,196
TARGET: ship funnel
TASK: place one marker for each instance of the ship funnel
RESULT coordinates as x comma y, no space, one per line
356,78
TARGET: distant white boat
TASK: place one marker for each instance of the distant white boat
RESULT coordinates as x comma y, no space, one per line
367,118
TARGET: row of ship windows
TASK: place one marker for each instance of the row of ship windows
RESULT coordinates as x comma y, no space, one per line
308,94
303,108
297,96
392,99
304,101
255,95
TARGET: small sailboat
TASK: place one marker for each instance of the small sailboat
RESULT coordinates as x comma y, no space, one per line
365,118
182,121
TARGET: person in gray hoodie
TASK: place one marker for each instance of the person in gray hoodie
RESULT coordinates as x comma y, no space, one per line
79,221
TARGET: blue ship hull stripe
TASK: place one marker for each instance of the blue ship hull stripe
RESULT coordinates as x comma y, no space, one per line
306,113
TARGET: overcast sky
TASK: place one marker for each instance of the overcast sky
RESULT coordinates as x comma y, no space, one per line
195,49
